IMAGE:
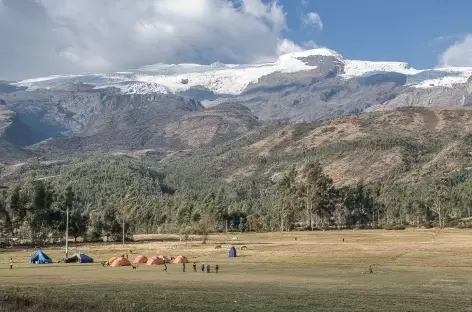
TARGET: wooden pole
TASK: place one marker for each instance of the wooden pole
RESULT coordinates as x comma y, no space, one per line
67,231
123,233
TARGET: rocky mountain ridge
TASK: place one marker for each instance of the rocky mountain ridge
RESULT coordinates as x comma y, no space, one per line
303,86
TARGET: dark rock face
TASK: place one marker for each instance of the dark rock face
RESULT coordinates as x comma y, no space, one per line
320,94
381,78
6,87
60,123
324,64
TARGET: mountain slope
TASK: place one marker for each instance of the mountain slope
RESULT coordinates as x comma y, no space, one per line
164,123
403,147
406,145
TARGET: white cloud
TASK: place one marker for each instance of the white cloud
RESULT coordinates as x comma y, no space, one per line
286,46
305,3
70,36
459,54
312,19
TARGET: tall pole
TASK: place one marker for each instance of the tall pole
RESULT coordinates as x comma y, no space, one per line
67,231
123,233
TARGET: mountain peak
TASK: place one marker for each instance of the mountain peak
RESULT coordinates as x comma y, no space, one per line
313,52
227,80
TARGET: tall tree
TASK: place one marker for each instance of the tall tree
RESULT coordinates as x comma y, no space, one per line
286,192
319,193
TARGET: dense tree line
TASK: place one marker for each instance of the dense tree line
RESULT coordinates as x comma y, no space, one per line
114,195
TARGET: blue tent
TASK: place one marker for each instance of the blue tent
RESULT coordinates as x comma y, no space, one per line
78,258
40,258
232,252
83,258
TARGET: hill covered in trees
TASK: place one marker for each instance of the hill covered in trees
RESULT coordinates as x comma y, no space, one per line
409,167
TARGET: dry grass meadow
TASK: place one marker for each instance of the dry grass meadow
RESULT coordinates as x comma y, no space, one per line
414,270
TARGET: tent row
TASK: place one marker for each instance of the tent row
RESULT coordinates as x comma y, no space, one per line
156,260
41,258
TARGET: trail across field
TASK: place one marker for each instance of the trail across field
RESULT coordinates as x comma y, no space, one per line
414,270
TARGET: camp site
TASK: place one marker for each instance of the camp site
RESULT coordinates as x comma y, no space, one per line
414,270
235,156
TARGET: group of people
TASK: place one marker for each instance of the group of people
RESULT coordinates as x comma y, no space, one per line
208,269
217,268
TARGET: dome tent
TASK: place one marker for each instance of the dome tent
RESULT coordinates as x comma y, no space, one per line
121,262
155,261
166,259
40,258
140,259
79,258
180,259
232,252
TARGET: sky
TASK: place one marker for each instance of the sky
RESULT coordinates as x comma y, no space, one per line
46,37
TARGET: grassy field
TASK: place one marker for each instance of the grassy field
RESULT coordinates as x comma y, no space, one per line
414,270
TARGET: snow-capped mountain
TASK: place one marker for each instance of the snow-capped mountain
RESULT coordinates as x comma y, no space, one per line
168,107
302,86
232,80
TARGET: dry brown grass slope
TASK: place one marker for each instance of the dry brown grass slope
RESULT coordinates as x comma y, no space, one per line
405,144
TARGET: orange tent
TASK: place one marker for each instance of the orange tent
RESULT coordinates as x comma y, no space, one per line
140,259
180,259
163,258
111,260
155,261
121,262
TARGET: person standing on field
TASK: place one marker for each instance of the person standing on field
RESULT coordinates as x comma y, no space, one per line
203,267
208,268
217,268
183,267
165,267
194,267
11,263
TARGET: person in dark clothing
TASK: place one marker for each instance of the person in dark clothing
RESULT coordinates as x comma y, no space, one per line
370,269
183,267
217,268
208,268
11,263
203,267
165,267
194,267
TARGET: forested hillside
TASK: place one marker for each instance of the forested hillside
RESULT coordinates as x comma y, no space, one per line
409,167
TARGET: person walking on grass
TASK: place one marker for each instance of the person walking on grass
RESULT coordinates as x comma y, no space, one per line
208,268
183,267
203,267
217,268
194,267
370,270
11,263
165,267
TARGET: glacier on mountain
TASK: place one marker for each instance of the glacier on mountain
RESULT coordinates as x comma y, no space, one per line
233,79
